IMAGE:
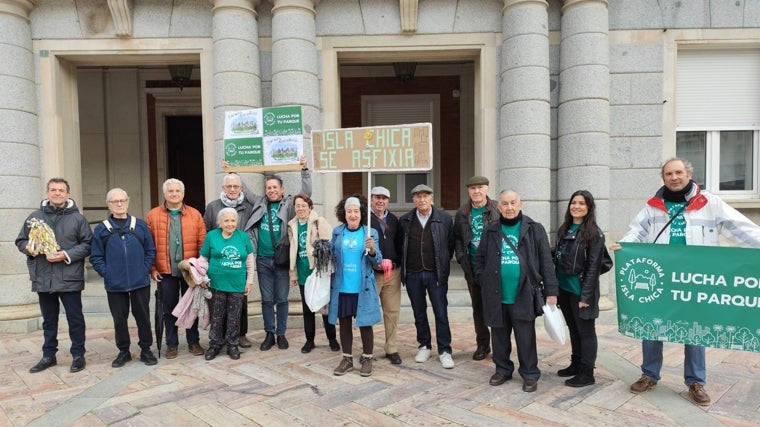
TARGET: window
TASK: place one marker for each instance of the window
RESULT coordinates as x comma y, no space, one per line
718,118
379,110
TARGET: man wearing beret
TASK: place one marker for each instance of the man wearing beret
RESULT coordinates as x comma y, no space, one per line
470,220
427,242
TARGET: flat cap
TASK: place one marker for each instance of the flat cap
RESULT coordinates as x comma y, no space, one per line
380,191
422,188
477,180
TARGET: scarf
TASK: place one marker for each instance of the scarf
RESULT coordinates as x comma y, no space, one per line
677,196
510,222
231,203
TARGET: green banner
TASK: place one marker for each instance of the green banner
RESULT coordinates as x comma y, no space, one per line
700,295
263,137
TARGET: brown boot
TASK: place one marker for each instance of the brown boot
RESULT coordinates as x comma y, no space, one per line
366,362
346,365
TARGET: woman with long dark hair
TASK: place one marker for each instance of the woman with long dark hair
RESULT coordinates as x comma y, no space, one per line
578,258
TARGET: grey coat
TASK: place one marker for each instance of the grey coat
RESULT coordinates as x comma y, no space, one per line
73,234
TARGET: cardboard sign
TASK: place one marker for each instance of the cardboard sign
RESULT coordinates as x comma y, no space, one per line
377,148
263,139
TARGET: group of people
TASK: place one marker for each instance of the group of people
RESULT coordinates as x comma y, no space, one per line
505,255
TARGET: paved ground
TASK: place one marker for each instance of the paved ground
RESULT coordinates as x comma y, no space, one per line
285,387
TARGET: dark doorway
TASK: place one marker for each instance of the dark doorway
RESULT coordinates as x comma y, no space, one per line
184,149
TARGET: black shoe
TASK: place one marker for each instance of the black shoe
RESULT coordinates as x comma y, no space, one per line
572,370
529,386
268,342
77,364
481,352
147,357
282,342
334,345
394,358
499,379
44,363
121,359
307,347
233,352
584,378
211,353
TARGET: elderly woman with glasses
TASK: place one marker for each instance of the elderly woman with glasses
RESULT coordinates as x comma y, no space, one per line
303,230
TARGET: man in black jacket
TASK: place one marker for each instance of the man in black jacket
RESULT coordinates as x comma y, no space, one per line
427,244
474,215
507,272
387,277
57,273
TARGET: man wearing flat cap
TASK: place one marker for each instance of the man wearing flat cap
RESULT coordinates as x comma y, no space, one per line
427,243
470,220
388,274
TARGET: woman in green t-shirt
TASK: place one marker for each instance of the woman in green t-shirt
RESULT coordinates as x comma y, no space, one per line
578,258
230,268
303,230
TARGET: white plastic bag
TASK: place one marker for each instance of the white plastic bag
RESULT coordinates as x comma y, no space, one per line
554,323
316,291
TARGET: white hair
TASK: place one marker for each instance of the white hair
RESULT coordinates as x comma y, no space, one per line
224,212
113,191
173,181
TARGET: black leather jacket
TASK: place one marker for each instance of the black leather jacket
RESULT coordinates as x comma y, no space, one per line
579,260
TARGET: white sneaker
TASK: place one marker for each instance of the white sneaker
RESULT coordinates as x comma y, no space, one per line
423,354
446,361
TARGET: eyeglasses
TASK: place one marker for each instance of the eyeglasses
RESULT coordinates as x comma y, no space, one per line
233,187
118,202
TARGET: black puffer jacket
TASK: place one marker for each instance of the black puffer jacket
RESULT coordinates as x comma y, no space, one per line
73,235
535,257
574,258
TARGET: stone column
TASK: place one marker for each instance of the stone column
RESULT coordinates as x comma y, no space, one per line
583,145
524,142
20,170
237,69
295,73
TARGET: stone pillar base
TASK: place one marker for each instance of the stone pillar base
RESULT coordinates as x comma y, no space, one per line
20,326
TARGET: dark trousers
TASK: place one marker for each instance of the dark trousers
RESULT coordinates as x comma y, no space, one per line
119,303
582,332
225,307
417,285
525,340
172,288
310,324
482,335
243,318
50,307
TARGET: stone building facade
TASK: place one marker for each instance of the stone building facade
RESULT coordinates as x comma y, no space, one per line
542,96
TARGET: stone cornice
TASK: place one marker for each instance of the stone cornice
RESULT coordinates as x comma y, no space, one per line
121,14
408,11
567,4
20,8
249,5
294,6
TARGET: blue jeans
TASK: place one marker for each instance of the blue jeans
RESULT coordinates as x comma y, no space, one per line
172,287
417,284
274,284
50,307
693,365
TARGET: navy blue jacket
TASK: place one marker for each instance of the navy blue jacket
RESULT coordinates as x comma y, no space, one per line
121,257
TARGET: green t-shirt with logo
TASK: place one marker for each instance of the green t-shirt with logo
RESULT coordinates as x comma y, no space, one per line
510,264
226,259
678,226
302,260
569,282
264,243
476,230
